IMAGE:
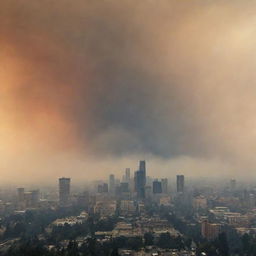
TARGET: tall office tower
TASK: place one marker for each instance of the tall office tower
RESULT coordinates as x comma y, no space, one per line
157,187
233,184
103,188
28,199
140,180
64,191
164,186
35,196
180,183
143,166
127,175
21,196
111,184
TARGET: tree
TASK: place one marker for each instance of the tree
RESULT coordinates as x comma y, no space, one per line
149,239
72,248
164,240
114,252
222,244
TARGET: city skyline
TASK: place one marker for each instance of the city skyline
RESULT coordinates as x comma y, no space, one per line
130,214
127,128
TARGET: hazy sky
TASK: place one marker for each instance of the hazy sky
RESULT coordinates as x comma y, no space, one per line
90,87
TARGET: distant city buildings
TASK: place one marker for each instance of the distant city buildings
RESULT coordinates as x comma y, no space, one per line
199,202
164,183
64,192
210,231
127,207
180,183
157,187
105,208
28,199
103,188
127,177
140,180
130,207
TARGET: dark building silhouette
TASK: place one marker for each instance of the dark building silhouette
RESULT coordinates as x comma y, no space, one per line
164,186
127,175
103,188
180,183
64,191
140,180
157,187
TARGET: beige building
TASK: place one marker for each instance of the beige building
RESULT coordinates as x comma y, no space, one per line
210,230
105,208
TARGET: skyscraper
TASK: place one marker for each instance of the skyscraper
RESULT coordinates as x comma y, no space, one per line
35,196
143,166
140,180
210,230
157,187
180,183
127,175
103,188
164,186
64,191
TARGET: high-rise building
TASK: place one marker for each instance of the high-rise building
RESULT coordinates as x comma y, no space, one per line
164,186
127,175
143,167
157,187
140,180
103,188
100,188
180,183
64,191
111,183
210,230
28,199
124,191
35,196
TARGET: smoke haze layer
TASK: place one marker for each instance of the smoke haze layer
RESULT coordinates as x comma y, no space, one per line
85,83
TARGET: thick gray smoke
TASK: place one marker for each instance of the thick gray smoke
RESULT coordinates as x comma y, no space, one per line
165,79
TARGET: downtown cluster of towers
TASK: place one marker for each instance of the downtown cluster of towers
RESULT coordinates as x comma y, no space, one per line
140,180
140,185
